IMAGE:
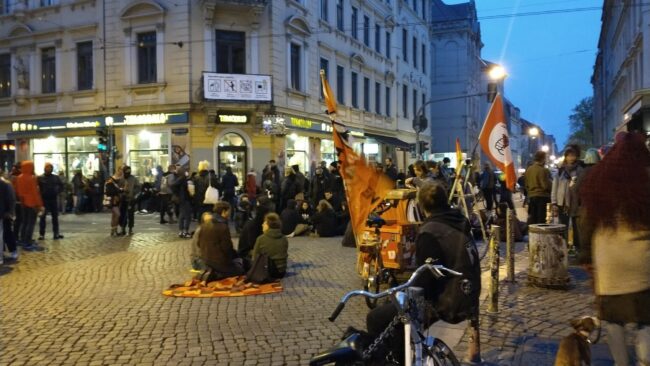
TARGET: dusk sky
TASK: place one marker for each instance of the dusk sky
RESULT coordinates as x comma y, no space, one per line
549,57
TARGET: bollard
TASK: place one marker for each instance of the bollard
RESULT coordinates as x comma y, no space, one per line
510,243
549,213
493,304
474,342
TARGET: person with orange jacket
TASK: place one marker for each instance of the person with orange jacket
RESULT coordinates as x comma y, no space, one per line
28,194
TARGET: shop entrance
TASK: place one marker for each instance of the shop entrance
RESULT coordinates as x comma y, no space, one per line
232,152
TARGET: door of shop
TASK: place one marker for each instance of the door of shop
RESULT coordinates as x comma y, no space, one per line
234,157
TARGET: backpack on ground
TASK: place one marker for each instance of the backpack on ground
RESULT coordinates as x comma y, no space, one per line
459,300
261,270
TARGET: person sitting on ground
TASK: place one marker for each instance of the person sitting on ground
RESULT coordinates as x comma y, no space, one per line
306,212
324,220
243,212
273,244
215,244
333,200
290,218
252,229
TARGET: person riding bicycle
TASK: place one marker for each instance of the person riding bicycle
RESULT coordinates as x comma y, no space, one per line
439,238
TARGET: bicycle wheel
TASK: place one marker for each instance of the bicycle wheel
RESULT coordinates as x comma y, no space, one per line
373,282
442,355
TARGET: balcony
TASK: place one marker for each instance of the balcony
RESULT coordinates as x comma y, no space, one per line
255,7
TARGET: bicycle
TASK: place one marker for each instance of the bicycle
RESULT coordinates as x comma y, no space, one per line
418,349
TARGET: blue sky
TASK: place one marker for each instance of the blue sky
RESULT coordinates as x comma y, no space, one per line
549,57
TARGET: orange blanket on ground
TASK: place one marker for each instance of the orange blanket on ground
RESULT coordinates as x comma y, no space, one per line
228,287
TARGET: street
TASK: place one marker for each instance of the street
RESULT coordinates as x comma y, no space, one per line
95,300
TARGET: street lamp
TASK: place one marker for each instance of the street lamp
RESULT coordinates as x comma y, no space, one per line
545,148
497,73
533,132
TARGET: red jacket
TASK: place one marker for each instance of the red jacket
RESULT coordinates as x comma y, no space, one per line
251,185
26,186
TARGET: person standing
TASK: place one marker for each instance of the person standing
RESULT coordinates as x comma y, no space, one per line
127,204
229,184
7,214
63,196
201,182
564,197
50,186
114,189
616,242
289,188
13,177
182,196
30,199
538,185
96,191
488,183
165,194
390,169
78,190
319,184
251,186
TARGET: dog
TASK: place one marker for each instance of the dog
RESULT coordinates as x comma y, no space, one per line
575,349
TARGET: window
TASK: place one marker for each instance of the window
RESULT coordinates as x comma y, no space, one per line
340,86
231,52
48,70
5,75
146,151
84,65
377,98
355,26
324,10
147,58
5,6
415,103
325,66
377,38
355,89
366,30
424,100
48,2
424,10
387,96
366,94
339,15
388,44
405,38
415,53
424,58
295,67
405,97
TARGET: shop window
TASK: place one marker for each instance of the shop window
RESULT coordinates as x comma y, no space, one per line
147,69
355,90
327,151
231,153
231,52
366,94
297,148
340,84
366,30
339,15
84,65
371,150
296,66
147,150
49,150
354,26
82,155
5,75
48,70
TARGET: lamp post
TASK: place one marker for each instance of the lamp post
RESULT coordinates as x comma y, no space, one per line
533,132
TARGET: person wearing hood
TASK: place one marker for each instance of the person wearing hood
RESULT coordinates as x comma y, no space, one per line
202,181
28,194
274,244
302,184
127,205
50,186
564,196
253,228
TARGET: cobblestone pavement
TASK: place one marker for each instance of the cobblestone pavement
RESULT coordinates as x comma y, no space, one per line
95,300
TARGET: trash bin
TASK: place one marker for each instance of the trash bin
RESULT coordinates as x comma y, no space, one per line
548,260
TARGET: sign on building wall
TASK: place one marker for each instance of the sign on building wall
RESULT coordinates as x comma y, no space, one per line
237,87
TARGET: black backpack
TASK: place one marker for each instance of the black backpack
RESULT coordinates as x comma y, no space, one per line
459,299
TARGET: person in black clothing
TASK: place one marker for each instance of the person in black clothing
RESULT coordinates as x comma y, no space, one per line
302,184
333,200
50,187
202,181
390,169
7,215
336,181
182,196
432,197
289,188
215,244
97,191
343,218
290,218
319,184
271,167
229,183
305,211
324,220
252,229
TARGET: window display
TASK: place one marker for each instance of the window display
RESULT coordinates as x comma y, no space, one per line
327,151
146,151
298,151
67,154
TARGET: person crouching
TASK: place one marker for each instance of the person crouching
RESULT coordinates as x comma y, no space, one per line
215,244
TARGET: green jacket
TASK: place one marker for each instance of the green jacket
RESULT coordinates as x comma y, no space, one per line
275,245
538,181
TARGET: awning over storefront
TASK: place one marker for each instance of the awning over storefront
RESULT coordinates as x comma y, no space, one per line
394,141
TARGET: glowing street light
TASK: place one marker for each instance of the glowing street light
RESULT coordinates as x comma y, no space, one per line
497,73
533,132
545,148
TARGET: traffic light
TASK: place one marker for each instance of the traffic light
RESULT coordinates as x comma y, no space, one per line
102,144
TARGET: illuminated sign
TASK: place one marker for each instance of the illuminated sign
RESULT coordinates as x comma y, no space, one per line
301,122
233,118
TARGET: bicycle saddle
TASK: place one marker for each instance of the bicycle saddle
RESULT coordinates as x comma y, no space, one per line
348,350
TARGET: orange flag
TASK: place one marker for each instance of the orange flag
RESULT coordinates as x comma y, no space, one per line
459,154
496,143
365,187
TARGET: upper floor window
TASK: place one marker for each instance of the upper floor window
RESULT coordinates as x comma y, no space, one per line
424,10
387,97
405,100
366,94
325,66
5,6
84,65
147,67
48,2
377,38
340,84
424,58
5,75
405,46
324,10
48,70
339,15
387,44
415,103
377,98
296,66
355,25
366,30
355,90
415,53
231,52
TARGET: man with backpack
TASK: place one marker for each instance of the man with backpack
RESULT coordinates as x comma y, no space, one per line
446,238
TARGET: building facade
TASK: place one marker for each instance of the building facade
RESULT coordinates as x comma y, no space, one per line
621,80
232,82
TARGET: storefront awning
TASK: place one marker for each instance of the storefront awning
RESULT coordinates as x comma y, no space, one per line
387,140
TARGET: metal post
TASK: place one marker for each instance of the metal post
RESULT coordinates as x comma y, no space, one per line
474,342
510,242
549,213
417,143
493,304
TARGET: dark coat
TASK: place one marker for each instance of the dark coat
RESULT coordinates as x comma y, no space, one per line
201,183
228,183
276,246
50,186
253,228
290,218
326,223
319,184
391,171
216,245
7,199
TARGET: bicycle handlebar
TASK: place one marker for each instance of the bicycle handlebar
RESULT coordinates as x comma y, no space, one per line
436,269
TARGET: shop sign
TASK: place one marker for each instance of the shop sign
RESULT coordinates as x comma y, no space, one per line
57,124
245,87
232,118
180,131
145,119
302,123
317,126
